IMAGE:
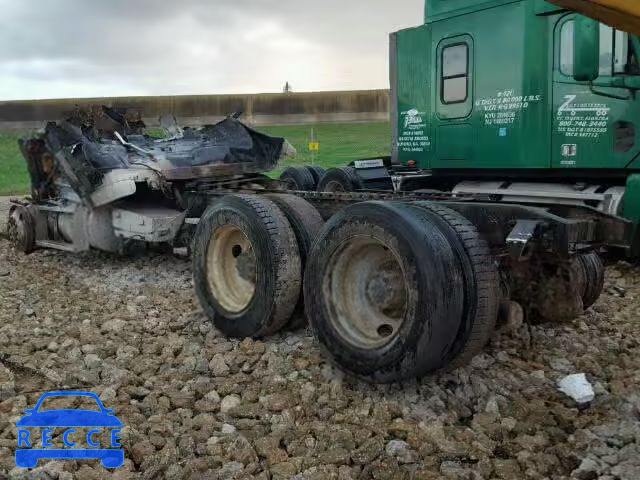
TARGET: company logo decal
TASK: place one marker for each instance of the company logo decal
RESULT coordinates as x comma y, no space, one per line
412,117
59,433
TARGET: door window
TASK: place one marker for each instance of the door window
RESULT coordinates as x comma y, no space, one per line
617,56
455,73
454,77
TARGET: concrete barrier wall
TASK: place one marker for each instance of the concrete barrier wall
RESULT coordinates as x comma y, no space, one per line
260,109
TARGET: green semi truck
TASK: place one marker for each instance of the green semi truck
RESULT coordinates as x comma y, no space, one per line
512,120
521,100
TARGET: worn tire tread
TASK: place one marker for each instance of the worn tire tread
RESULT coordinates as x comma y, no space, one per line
487,282
286,261
307,223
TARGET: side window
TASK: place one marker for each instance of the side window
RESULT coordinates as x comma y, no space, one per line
566,49
455,74
615,57
606,51
622,58
454,59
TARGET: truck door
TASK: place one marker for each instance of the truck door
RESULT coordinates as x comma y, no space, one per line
454,102
595,124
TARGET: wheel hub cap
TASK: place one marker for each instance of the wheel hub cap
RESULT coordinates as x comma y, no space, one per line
231,267
365,292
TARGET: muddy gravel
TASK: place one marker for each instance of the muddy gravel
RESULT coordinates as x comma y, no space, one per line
197,405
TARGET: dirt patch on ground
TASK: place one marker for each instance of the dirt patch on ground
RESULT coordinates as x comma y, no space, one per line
197,405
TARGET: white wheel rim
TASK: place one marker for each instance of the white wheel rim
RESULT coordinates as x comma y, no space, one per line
366,294
231,268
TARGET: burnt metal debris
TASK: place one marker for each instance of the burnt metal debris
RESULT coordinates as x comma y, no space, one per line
100,181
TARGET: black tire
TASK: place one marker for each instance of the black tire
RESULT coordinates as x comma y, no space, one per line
482,283
593,277
317,173
343,179
21,228
425,265
307,223
271,249
298,179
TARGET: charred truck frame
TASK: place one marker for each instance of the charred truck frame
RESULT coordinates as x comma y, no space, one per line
98,182
394,283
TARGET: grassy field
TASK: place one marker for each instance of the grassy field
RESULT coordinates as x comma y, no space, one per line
14,178
339,144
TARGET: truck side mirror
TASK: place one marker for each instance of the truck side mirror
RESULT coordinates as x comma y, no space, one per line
586,49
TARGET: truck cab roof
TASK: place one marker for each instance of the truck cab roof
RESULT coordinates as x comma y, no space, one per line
436,10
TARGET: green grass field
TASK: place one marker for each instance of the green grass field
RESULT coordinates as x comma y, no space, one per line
339,144
14,178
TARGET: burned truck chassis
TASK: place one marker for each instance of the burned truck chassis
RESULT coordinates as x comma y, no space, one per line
97,181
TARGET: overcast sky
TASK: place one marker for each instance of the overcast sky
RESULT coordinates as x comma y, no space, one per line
87,48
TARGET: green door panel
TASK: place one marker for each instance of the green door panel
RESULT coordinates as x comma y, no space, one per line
507,123
455,144
594,125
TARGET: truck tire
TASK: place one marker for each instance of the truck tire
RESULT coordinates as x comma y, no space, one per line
481,279
298,179
247,268
593,278
307,223
384,292
317,173
21,229
343,179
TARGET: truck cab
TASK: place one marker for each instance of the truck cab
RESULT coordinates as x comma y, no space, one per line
518,99
488,88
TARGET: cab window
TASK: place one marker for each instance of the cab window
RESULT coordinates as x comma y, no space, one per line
455,73
617,56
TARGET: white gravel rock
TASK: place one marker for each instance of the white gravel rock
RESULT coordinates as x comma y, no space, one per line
230,402
577,387
401,451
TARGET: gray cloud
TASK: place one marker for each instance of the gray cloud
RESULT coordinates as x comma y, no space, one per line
65,48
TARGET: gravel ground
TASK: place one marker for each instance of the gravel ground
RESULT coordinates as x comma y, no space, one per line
196,405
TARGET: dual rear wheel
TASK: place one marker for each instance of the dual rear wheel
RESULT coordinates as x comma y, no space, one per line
392,290
396,291
249,257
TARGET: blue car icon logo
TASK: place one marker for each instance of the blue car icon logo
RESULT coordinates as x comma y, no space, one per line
29,451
